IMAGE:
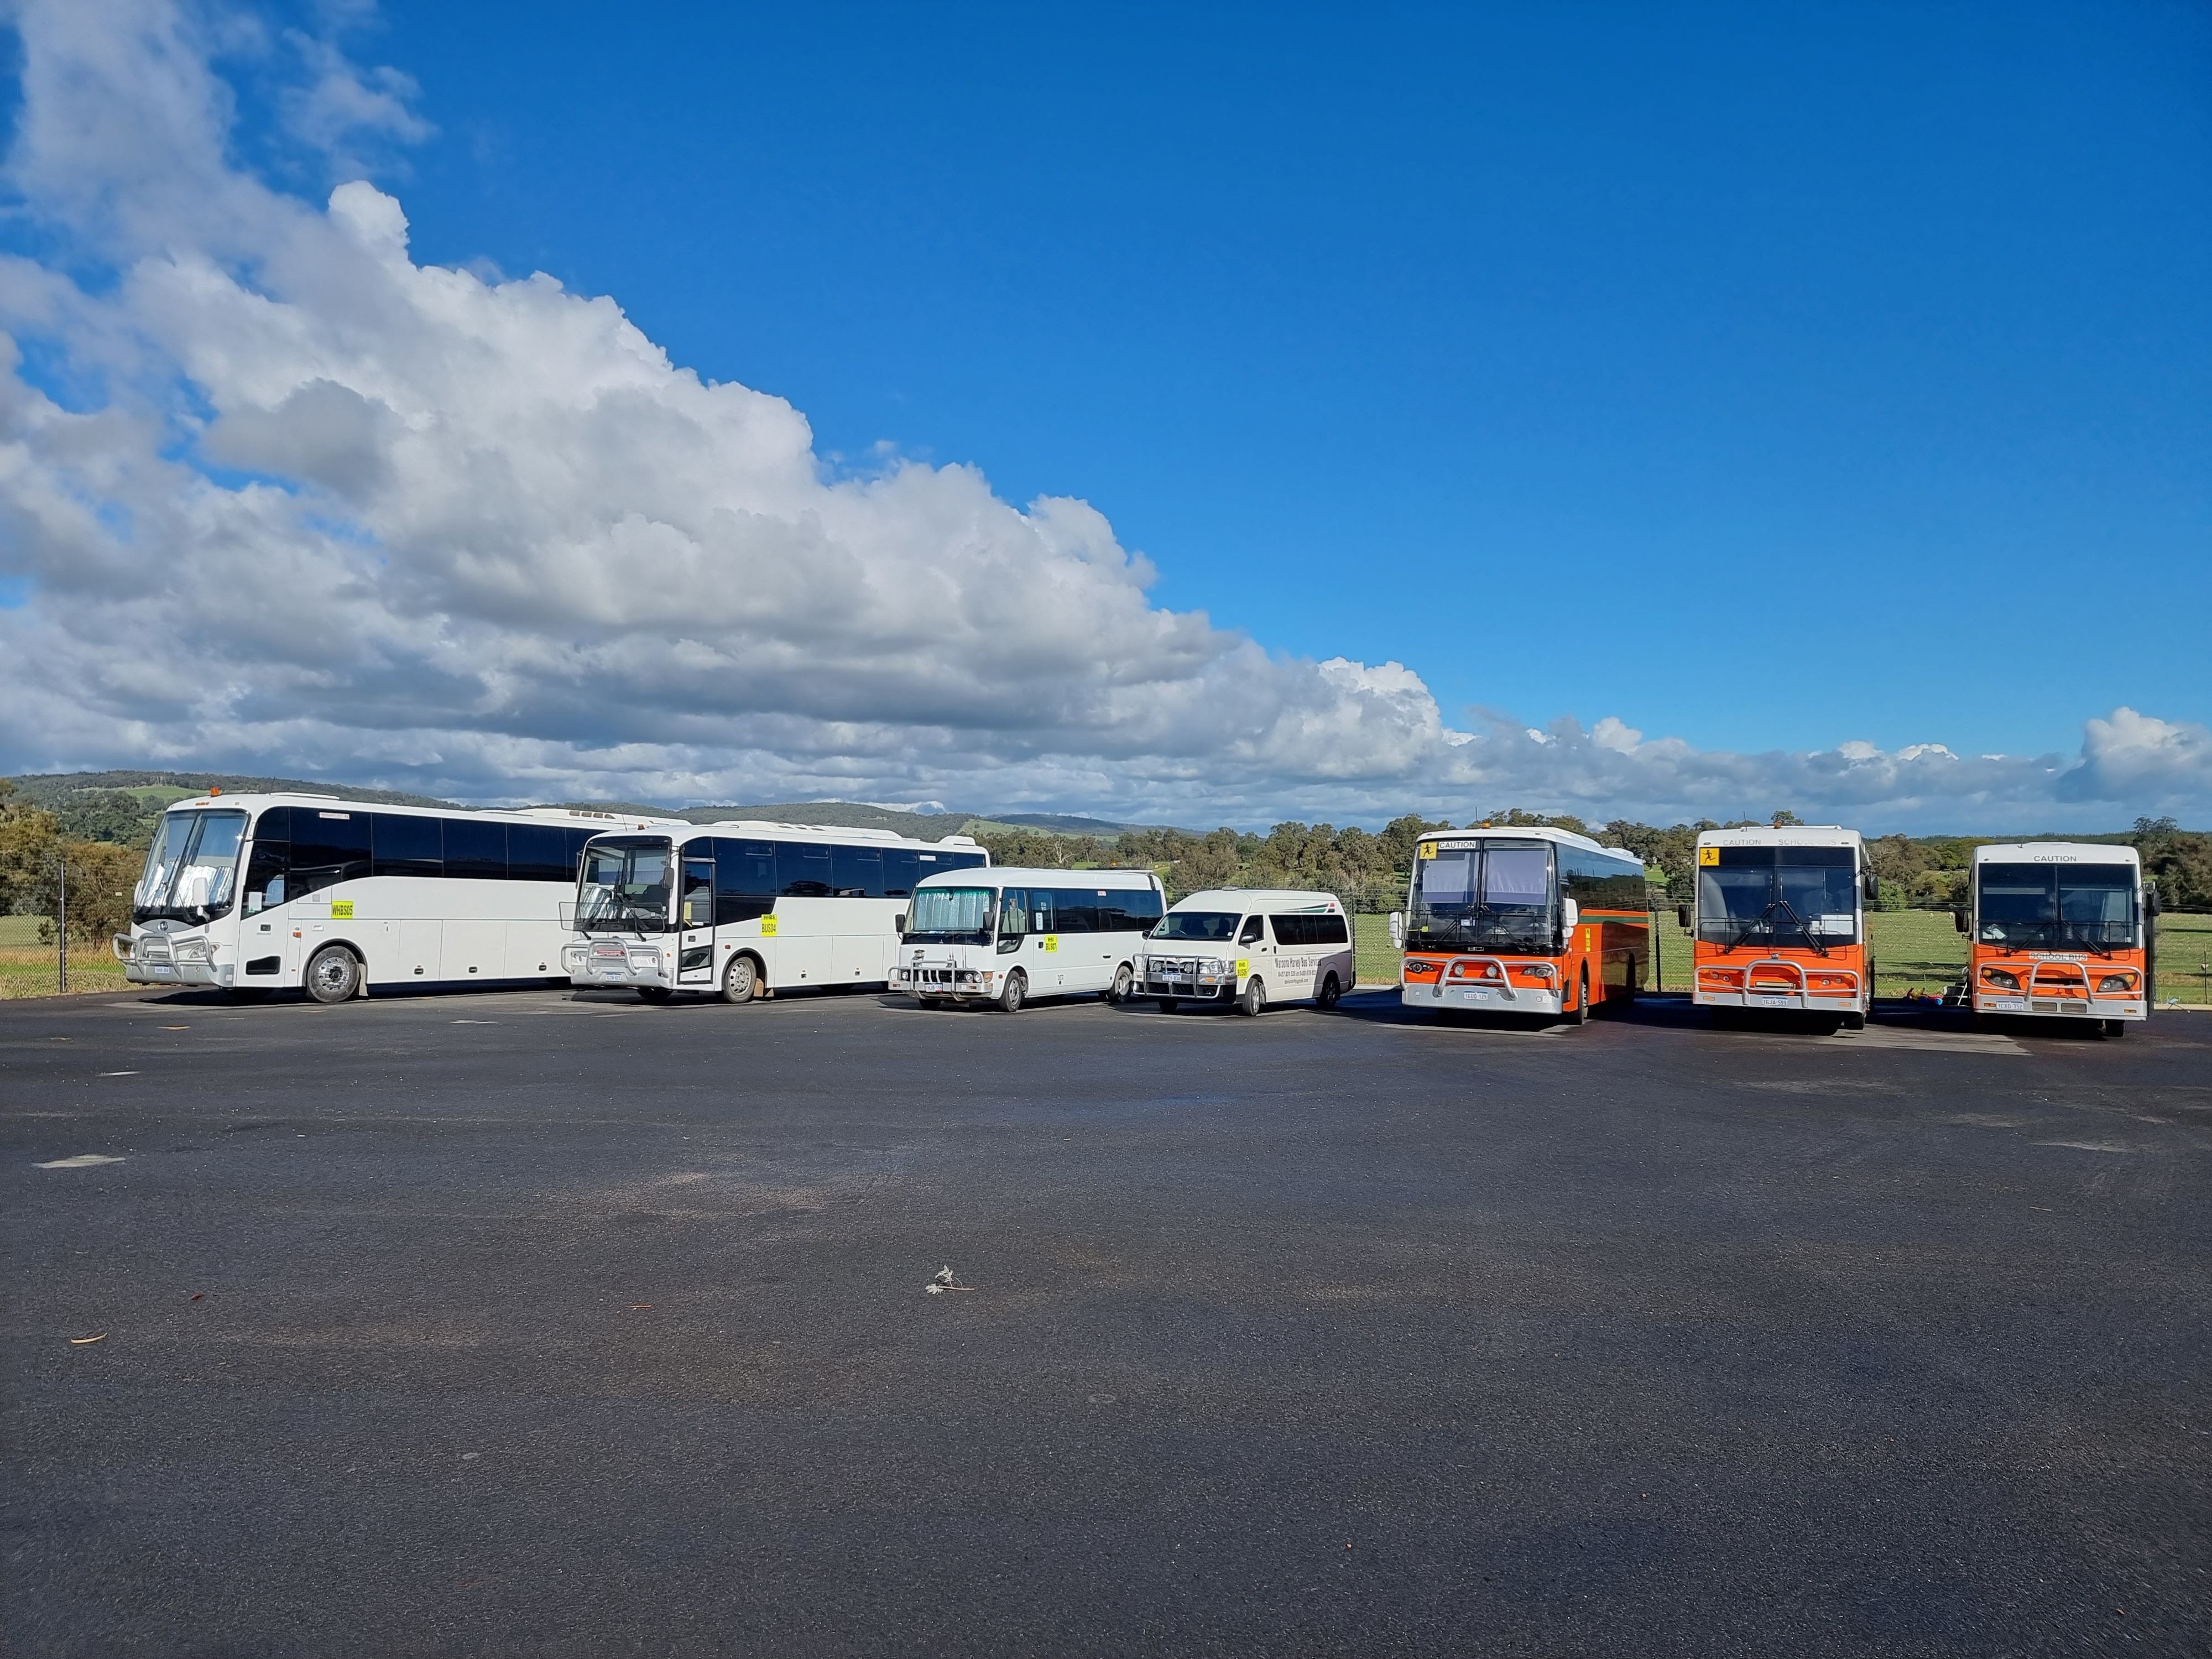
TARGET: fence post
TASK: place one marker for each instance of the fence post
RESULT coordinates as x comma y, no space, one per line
61,931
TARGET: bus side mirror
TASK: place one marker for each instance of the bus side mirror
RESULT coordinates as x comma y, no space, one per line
1959,920
1873,888
1682,917
1397,930
898,923
2151,905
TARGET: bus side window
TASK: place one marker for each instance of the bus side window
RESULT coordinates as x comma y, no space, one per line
804,870
858,872
1254,926
1014,916
327,847
745,880
476,849
402,844
902,867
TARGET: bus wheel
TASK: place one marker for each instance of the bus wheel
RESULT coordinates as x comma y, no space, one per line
334,975
1330,991
1018,986
1579,1014
1854,1021
1167,1005
1253,998
740,980
1124,983
656,994
2115,1027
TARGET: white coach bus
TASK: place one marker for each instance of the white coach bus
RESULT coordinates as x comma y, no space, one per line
745,908
250,894
1006,935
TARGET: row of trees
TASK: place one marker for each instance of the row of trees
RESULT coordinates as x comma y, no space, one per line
35,848
1369,870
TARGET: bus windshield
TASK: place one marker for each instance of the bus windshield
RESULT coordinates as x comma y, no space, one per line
1805,895
950,915
1208,925
624,887
2055,906
191,868
1495,896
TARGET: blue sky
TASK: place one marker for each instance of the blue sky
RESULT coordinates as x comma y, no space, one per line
1171,413
1807,367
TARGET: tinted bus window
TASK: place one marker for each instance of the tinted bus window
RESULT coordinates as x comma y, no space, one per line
902,867
1129,910
406,846
1075,910
804,870
959,860
541,851
476,849
327,847
745,880
697,910
858,872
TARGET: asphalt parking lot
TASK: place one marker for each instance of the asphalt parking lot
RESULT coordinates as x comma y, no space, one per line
536,1323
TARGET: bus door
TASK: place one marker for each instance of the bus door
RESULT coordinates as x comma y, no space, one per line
695,944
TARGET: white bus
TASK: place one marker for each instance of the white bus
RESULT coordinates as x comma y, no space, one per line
251,894
748,909
1005,935
1250,947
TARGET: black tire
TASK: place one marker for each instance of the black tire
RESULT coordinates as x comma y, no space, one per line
1854,1021
333,974
1167,1005
2115,1029
1579,1014
1124,986
1252,1001
1330,991
1017,989
656,993
741,979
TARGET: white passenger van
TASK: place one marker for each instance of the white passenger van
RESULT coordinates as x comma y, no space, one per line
748,909
1006,935
250,894
1251,947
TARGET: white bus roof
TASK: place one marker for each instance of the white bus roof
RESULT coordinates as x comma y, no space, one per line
1251,898
1789,834
768,830
1009,875
1530,832
2055,852
573,816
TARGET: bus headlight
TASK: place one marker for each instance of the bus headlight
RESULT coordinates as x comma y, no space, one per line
2117,982
2000,977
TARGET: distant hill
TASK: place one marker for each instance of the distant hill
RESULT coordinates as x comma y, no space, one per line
50,789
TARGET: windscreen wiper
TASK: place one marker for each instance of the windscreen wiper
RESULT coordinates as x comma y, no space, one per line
1819,949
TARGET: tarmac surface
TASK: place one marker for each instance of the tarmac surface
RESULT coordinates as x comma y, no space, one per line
542,1323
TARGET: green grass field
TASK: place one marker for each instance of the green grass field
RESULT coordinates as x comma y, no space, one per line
1913,949
26,966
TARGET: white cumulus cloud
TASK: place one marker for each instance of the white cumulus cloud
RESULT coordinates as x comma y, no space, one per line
280,498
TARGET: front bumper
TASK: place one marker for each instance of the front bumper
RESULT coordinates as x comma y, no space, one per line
2008,1002
1431,996
158,961
945,980
592,966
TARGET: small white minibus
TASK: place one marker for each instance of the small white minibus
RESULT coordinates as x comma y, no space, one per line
1003,935
1251,947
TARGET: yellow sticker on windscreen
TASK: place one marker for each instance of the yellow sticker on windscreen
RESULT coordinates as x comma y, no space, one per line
340,909
1708,855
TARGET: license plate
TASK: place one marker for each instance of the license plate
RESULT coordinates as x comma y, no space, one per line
163,968
2011,1002
1772,1002
1474,996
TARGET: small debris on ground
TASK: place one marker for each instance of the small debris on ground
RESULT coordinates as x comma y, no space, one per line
943,1280
80,1341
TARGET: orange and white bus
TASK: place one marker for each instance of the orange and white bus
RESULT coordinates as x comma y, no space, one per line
2060,929
1521,921
1781,921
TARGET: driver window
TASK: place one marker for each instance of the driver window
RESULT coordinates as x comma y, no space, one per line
1013,913
1254,927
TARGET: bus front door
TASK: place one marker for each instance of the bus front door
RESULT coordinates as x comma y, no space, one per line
695,941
